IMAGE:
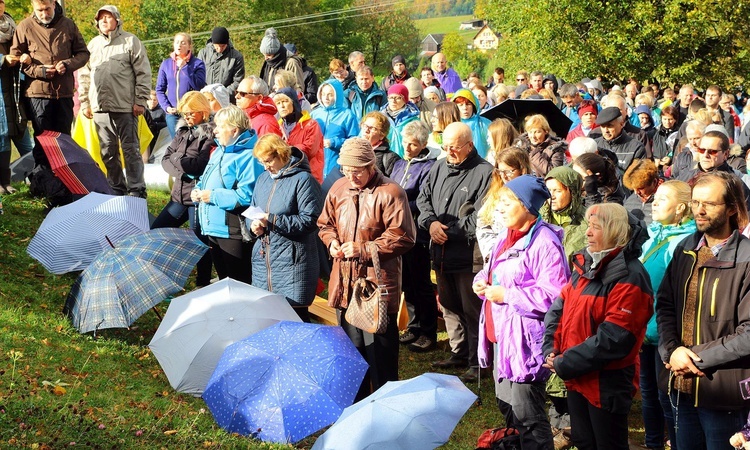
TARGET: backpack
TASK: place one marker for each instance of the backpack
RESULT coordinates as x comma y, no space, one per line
499,439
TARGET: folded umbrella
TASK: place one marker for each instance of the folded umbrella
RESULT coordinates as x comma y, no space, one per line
285,382
126,281
21,168
516,110
72,236
415,414
199,325
72,164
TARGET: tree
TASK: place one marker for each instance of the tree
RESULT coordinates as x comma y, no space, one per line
453,47
386,31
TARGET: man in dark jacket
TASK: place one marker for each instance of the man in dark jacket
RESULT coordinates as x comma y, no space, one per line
632,131
224,63
447,211
713,97
703,313
310,78
398,75
614,138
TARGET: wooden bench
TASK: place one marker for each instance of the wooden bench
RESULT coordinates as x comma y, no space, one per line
322,312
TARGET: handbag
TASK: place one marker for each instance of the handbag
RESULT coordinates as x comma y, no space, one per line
368,307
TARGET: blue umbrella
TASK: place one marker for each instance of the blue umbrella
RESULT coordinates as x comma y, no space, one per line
285,382
126,281
415,414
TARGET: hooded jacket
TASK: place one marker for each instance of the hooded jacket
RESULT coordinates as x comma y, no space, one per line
362,103
285,258
118,74
532,271
544,157
305,134
58,41
450,190
230,175
186,158
263,117
410,113
337,124
411,175
477,123
573,218
721,320
226,68
172,83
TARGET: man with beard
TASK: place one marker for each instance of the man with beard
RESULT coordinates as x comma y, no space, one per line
702,312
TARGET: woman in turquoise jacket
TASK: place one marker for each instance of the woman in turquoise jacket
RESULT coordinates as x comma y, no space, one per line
672,222
337,122
225,189
470,116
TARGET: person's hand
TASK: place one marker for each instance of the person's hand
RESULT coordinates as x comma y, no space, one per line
49,71
87,113
682,362
479,287
11,60
25,59
737,440
171,110
258,227
437,233
335,249
195,195
327,143
206,196
351,249
61,68
138,110
495,294
549,362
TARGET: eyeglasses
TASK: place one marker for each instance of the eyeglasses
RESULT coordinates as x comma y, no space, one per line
245,94
191,113
395,97
367,128
520,79
451,148
708,206
506,173
353,172
268,161
711,152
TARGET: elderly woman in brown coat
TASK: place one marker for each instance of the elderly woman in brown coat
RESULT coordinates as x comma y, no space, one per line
366,207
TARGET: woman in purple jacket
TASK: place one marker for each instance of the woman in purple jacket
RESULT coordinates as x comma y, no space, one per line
178,74
525,273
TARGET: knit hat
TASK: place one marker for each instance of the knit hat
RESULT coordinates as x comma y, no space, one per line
716,127
220,93
643,109
531,191
356,152
589,107
414,87
399,89
270,44
398,59
291,49
608,114
220,35
112,9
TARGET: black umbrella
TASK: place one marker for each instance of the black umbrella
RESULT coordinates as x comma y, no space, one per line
516,110
21,168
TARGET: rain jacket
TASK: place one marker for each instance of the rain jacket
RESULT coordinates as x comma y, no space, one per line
117,76
263,117
449,196
226,68
573,218
449,80
59,41
230,175
410,113
11,125
532,271
545,156
285,258
362,103
378,213
186,158
597,326
336,122
411,175
170,80
477,123
722,317
305,135
656,254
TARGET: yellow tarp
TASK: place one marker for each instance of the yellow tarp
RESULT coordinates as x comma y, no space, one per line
84,133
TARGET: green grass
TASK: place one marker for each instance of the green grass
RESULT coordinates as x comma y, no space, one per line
445,25
61,389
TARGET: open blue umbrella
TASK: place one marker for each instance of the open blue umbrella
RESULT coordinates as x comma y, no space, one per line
415,414
285,382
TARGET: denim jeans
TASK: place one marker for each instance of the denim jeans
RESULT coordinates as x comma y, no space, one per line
655,403
703,428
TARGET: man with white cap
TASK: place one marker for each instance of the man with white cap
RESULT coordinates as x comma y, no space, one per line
114,88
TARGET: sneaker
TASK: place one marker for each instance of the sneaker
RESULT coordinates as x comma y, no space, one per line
423,344
471,374
407,337
453,361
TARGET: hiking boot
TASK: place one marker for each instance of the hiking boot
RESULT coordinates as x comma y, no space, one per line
423,344
453,361
407,337
472,373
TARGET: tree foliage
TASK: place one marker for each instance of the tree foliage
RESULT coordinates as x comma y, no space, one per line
670,40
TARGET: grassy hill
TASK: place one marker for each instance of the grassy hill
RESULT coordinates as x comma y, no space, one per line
445,25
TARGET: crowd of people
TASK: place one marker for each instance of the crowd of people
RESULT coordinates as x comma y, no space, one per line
573,269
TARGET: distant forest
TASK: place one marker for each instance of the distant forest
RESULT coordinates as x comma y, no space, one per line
425,9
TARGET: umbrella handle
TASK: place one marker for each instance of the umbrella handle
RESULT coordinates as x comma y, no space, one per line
110,242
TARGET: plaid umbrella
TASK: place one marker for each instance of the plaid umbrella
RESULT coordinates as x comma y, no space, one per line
126,281
72,164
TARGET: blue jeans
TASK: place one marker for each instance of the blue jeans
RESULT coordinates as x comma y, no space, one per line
655,405
703,428
171,120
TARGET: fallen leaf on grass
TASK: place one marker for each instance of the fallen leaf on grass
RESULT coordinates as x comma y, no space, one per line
170,432
59,390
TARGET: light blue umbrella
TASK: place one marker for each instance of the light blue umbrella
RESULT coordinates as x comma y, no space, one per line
285,382
415,414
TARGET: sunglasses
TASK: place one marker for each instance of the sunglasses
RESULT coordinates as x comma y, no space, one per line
710,151
245,94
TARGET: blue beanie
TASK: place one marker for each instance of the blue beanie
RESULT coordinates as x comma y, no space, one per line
531,191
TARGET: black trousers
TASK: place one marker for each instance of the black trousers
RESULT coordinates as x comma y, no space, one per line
593,428
418,293
49,114
232,258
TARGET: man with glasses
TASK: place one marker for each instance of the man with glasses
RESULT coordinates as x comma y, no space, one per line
522,77
252,97
447,211
702,312
446,76
115,86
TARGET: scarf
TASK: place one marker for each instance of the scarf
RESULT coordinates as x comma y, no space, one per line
7,27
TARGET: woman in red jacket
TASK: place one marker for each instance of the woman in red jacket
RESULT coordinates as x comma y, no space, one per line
300,130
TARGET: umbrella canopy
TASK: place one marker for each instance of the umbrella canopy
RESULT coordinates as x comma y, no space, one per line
198,326
516,110
128,280
72,236
415,414
72,164
21,168
285,382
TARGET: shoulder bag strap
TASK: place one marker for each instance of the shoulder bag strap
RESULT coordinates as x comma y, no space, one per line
376,265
